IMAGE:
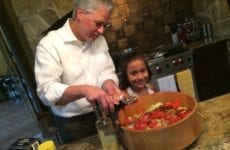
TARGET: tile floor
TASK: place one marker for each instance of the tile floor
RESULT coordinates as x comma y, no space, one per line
15,123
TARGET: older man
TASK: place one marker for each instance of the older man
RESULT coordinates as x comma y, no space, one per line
73,69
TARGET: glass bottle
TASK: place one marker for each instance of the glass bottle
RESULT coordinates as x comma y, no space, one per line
105,130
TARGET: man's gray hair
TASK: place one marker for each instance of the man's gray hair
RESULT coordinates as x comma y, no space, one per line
91,5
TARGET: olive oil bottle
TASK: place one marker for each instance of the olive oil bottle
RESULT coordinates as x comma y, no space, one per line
105,130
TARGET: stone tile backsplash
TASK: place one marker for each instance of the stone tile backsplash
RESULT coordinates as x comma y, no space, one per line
140,24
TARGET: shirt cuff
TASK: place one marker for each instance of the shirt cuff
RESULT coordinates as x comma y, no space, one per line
55,92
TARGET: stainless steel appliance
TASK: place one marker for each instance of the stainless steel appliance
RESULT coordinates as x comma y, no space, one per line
173,70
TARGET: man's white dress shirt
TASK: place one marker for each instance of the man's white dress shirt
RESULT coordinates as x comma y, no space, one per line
62,60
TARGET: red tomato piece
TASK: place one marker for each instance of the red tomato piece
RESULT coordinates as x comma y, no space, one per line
157,114
173,104
153,124
139,125
144,118
171,118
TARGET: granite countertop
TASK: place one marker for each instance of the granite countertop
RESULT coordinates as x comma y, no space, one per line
215,134
216,127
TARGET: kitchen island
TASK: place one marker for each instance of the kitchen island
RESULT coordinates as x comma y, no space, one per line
215,133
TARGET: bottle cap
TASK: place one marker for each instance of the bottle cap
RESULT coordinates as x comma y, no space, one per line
47,145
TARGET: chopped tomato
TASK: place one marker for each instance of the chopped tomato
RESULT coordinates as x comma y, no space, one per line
153,124
171,118
144,118
173,104
139,125
158,116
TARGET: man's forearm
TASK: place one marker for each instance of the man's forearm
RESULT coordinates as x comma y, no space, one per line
72,93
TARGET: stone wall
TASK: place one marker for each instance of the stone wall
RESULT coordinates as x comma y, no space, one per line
141,24
217,13
3,65
138,23
36,16
30,18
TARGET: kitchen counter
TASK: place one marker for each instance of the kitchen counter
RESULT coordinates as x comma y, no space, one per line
214,136
198,44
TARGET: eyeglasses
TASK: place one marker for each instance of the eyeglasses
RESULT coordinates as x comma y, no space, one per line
99,24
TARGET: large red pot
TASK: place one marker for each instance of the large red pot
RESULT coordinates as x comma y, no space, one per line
175,136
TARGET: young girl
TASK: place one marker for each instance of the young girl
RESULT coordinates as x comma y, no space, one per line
135,75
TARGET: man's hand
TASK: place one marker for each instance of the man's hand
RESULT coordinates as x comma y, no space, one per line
111,88
93,94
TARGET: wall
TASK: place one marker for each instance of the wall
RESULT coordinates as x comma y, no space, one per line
30,18
141,23
3,65
216,12
135,23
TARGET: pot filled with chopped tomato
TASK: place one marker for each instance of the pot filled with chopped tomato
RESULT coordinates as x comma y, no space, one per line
163,120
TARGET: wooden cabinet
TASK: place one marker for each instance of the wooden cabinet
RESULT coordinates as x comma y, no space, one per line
211,68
